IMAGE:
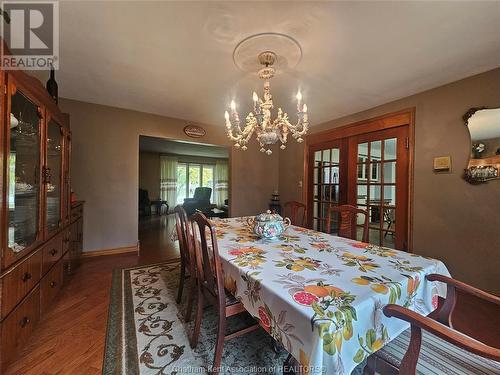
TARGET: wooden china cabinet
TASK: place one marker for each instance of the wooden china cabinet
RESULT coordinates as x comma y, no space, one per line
40,233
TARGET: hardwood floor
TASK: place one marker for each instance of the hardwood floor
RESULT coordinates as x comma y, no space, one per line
70,337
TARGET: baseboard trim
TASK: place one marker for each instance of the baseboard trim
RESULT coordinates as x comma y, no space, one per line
119,250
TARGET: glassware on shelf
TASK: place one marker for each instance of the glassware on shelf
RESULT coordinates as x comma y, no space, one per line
23,173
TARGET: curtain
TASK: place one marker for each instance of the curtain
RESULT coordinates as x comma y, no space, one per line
168,180
221,182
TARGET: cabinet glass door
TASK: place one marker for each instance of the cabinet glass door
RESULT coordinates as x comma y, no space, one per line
23,173
53,176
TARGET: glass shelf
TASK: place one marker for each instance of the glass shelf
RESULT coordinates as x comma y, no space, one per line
24,173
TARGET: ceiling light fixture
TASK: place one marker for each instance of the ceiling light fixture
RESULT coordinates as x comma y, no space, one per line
268,131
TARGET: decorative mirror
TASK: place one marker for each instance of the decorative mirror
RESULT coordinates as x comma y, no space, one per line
484,129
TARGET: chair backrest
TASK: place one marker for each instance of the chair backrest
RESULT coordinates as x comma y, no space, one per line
442,330
297,212
209,269
348,221
202,193
185,236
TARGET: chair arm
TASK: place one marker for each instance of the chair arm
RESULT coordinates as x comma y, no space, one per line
464,287
455,337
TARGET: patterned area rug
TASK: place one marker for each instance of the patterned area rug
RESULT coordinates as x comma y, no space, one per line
146,333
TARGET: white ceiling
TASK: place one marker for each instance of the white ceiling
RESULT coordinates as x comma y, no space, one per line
166,146
175,58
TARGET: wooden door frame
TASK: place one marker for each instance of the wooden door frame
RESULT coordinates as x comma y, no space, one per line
405,117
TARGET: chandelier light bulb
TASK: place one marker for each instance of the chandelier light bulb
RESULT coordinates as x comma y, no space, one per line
260,122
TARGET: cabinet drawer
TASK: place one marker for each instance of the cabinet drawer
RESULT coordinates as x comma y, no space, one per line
17,283
76,212
50,286
19,325
52,252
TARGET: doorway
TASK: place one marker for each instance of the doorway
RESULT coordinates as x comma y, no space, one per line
367,165
171,173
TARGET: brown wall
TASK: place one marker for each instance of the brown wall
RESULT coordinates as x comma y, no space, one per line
105,169
149,173
453,221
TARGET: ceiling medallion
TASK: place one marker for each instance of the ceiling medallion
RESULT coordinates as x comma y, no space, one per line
268,131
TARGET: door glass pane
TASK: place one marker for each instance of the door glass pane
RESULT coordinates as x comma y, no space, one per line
375,193
389,239
389,219
374,213
362,150
376,150
326,157
390,195
390,149
326,175
53,175
335,155
363,172
335,175
362,195
24,173
390,172
194,178
374,172
315,176
317,158
374,236
181,183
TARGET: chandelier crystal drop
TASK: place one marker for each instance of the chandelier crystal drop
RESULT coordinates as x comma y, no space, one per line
268,132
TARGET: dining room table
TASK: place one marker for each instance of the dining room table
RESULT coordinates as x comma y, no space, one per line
321,296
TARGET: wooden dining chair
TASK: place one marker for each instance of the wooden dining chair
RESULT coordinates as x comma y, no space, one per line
211,287
441,345
294,208
188,261
348,217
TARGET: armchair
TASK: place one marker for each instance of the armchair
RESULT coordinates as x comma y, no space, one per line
200,201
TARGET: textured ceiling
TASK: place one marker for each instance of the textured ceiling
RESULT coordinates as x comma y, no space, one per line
175,58
165,146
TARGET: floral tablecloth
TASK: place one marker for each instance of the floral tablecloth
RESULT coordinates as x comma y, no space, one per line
322,296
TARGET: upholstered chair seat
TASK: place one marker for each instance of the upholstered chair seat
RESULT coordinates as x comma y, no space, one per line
438,357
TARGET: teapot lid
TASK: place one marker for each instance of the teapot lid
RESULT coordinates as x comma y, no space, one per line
268,216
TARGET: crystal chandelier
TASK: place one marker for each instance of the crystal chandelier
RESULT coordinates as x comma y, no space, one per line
268,131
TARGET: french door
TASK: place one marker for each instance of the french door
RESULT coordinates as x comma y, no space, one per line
368,170
378,183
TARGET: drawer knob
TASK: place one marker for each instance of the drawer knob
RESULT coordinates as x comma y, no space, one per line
24,322
53,252
53,284
26,276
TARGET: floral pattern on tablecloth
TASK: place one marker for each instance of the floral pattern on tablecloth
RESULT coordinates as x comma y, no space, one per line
322,296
